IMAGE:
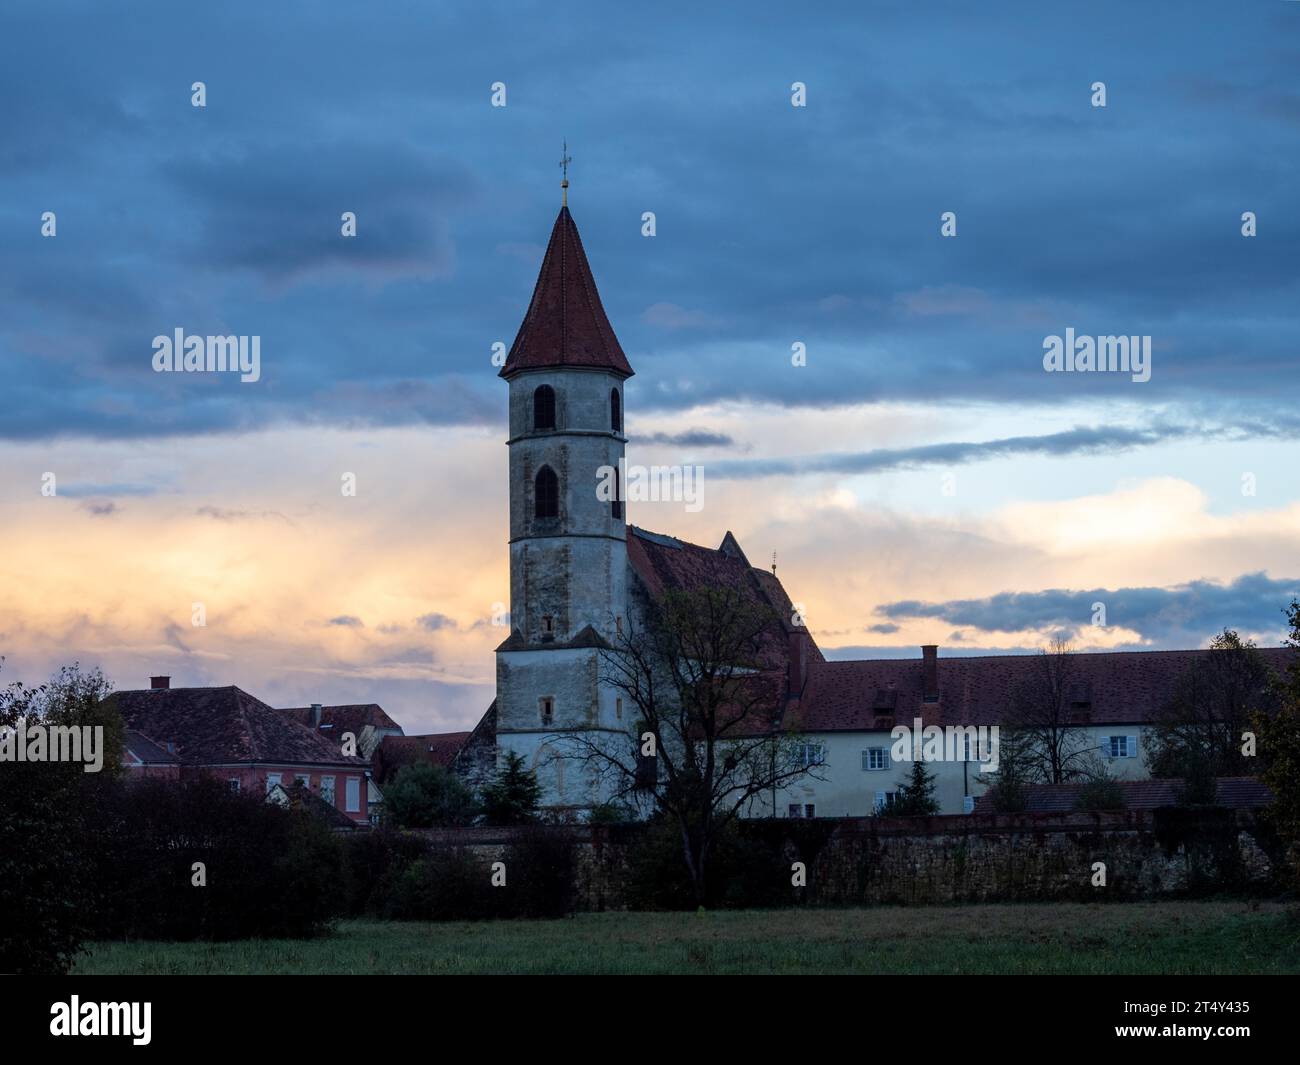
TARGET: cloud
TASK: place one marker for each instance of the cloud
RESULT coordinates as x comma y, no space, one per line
100,510
435,622
104,491
689,438
347,621
1195,610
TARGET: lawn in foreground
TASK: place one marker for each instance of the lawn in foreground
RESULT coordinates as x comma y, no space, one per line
1163,937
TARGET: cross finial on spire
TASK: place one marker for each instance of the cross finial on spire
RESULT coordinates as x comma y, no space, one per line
565,160
773,563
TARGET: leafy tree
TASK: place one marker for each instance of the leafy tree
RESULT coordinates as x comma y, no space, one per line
1198,735
916,797
1101,791
1278,740
425,796
515,795
50,893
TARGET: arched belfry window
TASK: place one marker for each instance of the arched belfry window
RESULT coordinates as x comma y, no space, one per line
546,494
544,408
615,411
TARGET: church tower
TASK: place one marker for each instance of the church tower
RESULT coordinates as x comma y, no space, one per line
568,539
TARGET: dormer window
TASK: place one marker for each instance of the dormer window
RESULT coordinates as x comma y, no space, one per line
544,408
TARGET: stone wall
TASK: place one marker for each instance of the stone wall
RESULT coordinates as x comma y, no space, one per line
949,859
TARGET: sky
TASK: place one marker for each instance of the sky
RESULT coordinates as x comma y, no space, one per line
921,478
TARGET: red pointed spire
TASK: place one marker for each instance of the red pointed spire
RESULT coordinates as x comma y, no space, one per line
565,324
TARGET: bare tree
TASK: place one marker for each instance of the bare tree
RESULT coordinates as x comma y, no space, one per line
1054,735
708,694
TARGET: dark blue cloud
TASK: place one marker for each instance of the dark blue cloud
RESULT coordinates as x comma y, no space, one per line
775,224
1185,615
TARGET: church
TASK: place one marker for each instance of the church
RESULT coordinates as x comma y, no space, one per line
577,566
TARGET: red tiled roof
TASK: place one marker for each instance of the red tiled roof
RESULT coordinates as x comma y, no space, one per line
1121,687
1235,792
348,717
665,563
565,324
223,726
438,748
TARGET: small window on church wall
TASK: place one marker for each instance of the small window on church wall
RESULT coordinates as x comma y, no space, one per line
547,707
618,709
546,494
544,408
615,411
616,504
548,624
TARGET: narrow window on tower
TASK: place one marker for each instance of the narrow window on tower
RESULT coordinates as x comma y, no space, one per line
544,408
616,504
547,706
546,494
548,624
615,411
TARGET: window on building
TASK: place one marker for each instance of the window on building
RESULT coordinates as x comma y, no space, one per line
615,411
616,504
354,795
546,494
1122,746
303,778
808,754
810,809
548,624
272,779
327,789
546,705
875,758
885,800
618,709
233,783
544,408
796,810
618,624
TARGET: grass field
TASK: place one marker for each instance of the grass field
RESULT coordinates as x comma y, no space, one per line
1165,937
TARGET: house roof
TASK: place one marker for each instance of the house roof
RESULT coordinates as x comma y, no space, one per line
1235,792
565,324
147,751
664,563
1118,687
438,748
298,796
224,726
348,717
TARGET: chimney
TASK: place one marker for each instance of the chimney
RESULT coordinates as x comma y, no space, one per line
930,671
315,715
159,683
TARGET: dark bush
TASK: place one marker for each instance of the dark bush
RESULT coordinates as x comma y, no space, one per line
375,862
540,868
447,884
270,872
